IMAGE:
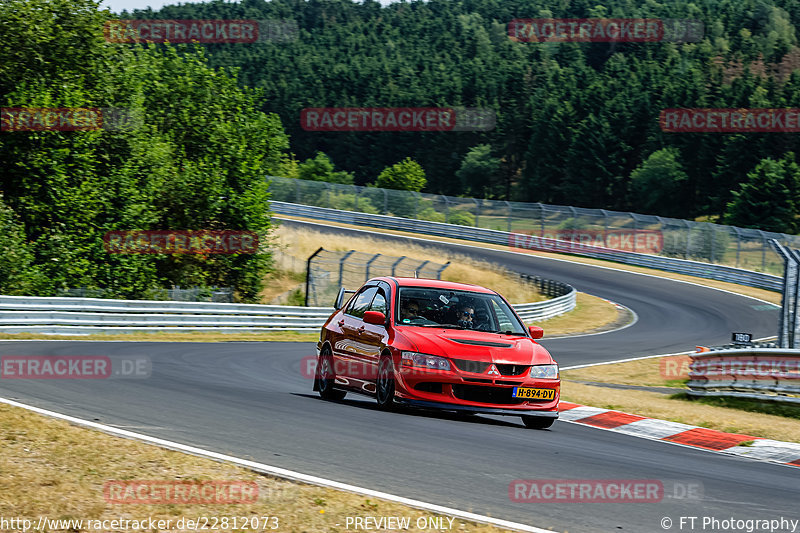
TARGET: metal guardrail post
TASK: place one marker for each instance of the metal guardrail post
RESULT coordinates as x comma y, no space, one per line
308,272
439,272
794,334
341,265
789,291
713,243
366,271
399,260
477,212
421,266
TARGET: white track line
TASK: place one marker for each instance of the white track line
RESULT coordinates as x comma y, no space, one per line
281,472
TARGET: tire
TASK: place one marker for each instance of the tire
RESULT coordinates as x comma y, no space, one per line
384,385
326,377
537,422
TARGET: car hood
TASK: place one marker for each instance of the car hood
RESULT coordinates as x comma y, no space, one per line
477,346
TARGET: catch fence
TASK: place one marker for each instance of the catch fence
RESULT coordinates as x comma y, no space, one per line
329,270
668,237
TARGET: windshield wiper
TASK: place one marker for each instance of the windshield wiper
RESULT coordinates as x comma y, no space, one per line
446,326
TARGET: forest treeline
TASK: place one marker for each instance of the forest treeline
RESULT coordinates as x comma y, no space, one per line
577,123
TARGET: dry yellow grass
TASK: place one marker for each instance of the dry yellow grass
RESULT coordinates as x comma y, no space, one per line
769,296
51,468
654,372
655,405
590,313
302,243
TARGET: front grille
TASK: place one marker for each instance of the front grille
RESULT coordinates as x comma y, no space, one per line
477,380
512,370
480,367
465,365
476,393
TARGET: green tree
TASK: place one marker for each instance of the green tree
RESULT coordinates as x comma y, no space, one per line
657,185
763,201
479,174
321,168
407,175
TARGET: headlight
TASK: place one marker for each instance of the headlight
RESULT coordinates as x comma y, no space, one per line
424,361
544,371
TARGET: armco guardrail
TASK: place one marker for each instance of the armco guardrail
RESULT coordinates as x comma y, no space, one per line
759,373
84,316
515,240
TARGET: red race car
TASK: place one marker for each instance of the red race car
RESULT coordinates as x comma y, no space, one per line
437,344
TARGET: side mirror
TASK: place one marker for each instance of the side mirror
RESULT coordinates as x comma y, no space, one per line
536,332
375,317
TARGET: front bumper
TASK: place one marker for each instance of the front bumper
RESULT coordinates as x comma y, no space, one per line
475,409
464,391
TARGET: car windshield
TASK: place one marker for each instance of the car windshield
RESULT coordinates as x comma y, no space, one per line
433,307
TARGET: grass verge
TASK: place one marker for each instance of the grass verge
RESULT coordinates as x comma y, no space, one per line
57,470
590,314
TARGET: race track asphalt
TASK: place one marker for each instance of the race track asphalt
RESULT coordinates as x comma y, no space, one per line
253,400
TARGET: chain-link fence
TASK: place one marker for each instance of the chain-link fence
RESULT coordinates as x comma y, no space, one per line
699,241
328,271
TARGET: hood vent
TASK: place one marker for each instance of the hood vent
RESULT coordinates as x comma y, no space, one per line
488,344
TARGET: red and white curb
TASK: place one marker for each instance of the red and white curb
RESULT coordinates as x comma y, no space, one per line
709,439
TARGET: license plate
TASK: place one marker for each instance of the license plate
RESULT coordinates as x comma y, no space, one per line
534,394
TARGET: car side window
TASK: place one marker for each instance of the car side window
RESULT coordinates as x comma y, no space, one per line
361,302
379,303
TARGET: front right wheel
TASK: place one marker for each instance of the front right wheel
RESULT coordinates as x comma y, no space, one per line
537,422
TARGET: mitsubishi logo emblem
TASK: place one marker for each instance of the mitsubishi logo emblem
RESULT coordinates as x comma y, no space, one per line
493,371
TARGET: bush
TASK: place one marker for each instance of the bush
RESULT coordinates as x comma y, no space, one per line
462,218
430,214
347,202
